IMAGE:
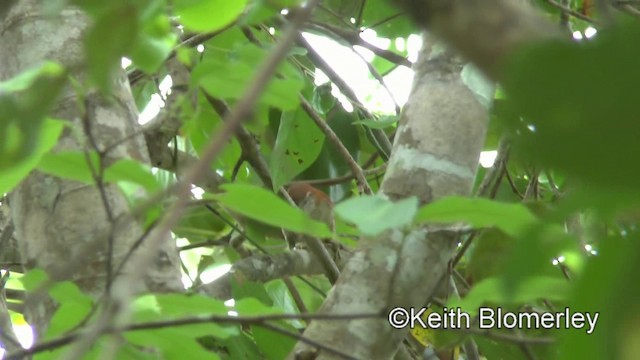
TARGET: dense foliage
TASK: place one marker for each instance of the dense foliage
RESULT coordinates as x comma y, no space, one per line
554,225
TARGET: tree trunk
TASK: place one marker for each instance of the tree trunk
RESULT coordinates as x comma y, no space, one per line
435,154
64,227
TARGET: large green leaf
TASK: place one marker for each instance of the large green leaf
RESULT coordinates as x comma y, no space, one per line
49,134
388,21
273,345
609,286
493,291
297,146
199,224
73,307
160,307
373,214
578,117
513,219
132,171
149,52
23,109
172,342
259,204
228,80
229,77
489,254
207,15
70,165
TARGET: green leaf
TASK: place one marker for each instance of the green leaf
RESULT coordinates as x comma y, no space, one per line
33,279
373,214
173,343
150,52
259,12
493,291
330,161
207,15
23,110
609,286
323,101
513,219
259,204
241,347
69,165
297,146
586,123
161,307
28,78
489,255
50,132
73,307
253,307
381,14
274,346
227,78
282,299
132,171
492,349
534,252
200,224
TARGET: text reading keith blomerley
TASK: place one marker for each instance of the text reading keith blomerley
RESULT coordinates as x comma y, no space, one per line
489,318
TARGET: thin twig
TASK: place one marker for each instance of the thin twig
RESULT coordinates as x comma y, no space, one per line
98,177
353,38
363,185
495,173
344,178
571,12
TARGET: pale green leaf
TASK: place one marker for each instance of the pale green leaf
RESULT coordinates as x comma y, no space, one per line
207,15
513,219
373,214
259,204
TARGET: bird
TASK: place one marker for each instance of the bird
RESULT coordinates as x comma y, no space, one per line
313,201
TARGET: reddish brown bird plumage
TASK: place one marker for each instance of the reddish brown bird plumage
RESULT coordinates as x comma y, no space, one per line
312,201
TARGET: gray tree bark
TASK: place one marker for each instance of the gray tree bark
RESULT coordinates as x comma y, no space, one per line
62,226
435,154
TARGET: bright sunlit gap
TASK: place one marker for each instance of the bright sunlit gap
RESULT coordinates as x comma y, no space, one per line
487,158
590,249
197,192
559,260
214,273
351,67
125,63
24,334
157,101
590,32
